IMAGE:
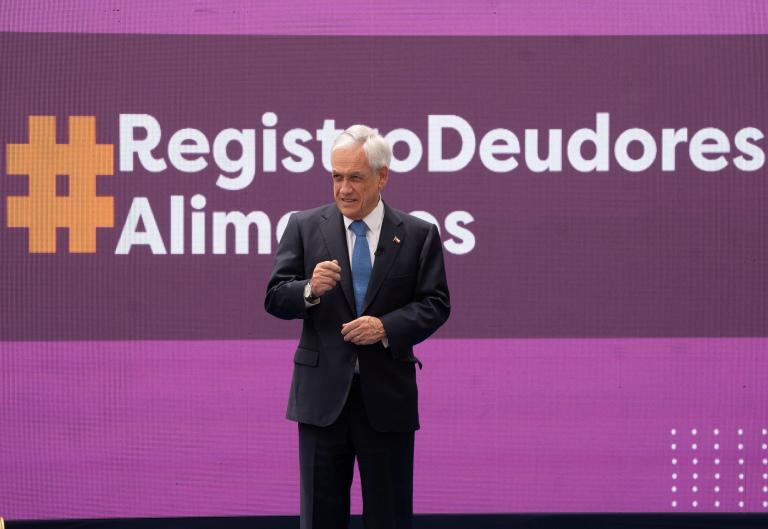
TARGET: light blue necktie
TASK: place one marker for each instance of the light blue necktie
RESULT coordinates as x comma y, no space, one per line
361,263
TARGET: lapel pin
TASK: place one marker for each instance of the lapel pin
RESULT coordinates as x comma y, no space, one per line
396,240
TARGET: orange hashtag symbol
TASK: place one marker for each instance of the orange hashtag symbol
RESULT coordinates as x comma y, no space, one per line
41,211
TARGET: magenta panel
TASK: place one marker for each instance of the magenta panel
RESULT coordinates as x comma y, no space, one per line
398,17
171,428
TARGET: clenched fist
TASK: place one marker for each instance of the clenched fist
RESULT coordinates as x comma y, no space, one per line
324,277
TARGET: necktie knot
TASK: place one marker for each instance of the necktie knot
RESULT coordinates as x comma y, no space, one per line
359,228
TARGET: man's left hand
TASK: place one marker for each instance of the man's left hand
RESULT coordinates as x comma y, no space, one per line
365,330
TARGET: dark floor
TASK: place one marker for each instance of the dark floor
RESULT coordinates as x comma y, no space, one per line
433,521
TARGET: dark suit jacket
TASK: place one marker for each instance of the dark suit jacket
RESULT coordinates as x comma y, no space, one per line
407,291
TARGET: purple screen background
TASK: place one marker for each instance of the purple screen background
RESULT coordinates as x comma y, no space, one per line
600,319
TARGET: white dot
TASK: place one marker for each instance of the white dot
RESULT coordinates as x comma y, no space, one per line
674,504
717,475
765,475
765,504
673,431
765,461
717,461
764,446
693,446
740,432
695,461
674,476
695,503
716,431
717,446
741,504
765,489
197,201
741,461
674,461
674,489
741,489
741,476
717,489
269,119
695,476
693,432
695,488
717,504
765,431
673,446
741,446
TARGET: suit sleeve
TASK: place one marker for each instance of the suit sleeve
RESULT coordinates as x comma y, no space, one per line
285,290
431,306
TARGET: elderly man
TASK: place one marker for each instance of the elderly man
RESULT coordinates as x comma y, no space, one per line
369,283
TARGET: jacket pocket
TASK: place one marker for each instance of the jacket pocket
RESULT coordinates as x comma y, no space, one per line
306,357
411,359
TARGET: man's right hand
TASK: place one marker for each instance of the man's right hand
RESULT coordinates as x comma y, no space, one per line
324,277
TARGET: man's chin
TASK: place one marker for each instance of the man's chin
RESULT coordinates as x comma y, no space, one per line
349,209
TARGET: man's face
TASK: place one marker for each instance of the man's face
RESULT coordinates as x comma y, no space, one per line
355,186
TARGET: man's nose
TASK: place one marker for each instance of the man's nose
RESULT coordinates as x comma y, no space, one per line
346,187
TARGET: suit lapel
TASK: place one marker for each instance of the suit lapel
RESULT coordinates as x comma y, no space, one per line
335,240
391,228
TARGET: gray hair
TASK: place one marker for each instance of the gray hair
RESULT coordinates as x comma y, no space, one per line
376,148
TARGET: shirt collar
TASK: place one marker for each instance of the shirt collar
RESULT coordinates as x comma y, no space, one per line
373,220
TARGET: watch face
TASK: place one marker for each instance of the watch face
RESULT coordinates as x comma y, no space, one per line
308,294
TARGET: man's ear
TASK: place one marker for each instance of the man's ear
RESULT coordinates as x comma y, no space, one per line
383,174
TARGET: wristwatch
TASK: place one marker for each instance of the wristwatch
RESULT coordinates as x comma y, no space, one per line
308,296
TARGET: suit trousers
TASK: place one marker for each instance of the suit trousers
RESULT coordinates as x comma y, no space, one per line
326,462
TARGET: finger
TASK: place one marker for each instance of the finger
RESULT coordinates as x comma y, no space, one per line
352,337
325,271
330,273
362,340
326,274
330,265
324,278
356,334
350,326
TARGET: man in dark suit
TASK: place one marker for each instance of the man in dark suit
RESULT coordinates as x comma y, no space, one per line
369,283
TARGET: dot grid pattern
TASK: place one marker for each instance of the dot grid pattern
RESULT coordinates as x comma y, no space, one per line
718,469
